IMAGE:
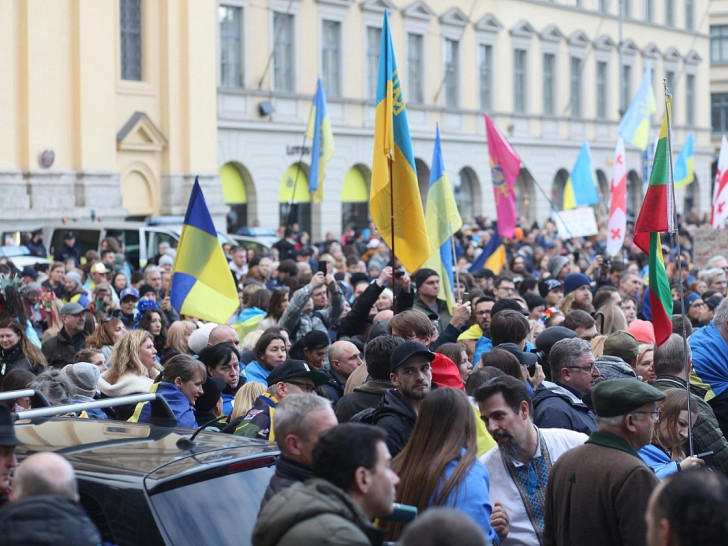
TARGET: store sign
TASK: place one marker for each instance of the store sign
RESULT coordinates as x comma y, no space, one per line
298,150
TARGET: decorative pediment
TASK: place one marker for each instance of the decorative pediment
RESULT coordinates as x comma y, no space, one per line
693,57
629,47
579,39
418,10
488,23
672,54
454,17
604,43
337,3
140,134
552,33
523,29
378,6
651,51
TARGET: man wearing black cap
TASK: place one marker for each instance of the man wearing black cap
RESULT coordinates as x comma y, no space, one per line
597,493
427,284
411,375
290,377
35,245
61,349
8,441
551,291
68,250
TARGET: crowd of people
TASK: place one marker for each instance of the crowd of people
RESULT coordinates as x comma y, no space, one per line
538,409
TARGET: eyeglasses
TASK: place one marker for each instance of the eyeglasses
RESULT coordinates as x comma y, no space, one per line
305,387
655,414
589,369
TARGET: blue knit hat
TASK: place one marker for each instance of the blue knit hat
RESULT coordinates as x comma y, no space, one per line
574,281
690,299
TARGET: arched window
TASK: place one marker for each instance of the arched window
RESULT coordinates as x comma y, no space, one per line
634,194
235,180
464,190
355,198
294,200
557,190
423,178
524,195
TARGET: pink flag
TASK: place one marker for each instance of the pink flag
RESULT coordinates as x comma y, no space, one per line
504,168
618,208
720,190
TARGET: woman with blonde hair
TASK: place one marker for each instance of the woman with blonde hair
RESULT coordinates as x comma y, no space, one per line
644,365
245,398
54,320
178,335
133,369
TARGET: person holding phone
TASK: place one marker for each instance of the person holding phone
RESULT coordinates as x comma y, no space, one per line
316,306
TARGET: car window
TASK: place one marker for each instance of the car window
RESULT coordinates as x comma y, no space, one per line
210,511
86,239
130,239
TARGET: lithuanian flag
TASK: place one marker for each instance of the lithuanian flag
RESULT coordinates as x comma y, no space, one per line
657,216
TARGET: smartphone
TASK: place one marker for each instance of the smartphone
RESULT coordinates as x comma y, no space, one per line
323,267
708,457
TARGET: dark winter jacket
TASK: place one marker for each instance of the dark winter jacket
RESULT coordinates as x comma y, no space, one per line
556,406
397,418
13,359
287,473
46,520
362,397
61,349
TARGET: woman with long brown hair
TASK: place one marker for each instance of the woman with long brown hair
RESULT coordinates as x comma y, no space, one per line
105,336
439,464
16,350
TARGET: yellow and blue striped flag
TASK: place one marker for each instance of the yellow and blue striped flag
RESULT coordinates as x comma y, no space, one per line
442,219
392,146
493,256
202,285
684,172
634,127
322,149
581,188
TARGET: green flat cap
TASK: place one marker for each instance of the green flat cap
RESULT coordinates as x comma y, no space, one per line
615,397
623,345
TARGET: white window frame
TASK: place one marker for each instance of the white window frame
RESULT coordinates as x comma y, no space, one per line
293,8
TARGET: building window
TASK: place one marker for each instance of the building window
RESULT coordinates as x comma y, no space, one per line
575,85
415,78
283,57
131,39
626,7
625,96
374,38
485,68
331,58
719,112
549,76
669,12
719,43
603,6
231,64
648,10
519,80
452,73
689,15
690,99
601,89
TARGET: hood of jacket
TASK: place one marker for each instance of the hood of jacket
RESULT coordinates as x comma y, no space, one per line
613,367
550,390
127,384
394,402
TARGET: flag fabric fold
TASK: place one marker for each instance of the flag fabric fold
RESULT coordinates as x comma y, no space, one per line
634,127
493,256
719,211
322,147
618,204
657,216
684,172
392,147
581,188
443,220
505,165
202,285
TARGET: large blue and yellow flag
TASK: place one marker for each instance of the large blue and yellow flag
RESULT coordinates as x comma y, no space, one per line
202,285
322,148
634,127
581,187
395,203
493,256
443,220
684,172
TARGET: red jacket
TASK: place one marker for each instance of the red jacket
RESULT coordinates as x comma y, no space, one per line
445,373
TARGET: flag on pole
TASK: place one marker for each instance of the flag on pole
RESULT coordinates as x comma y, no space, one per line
392,147
322,148
720,189
581,187
657,216
493,256
618,207
684,173
634,127
504,168
202,285
443,220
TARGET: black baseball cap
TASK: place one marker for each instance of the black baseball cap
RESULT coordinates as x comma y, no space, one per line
293,369
407,350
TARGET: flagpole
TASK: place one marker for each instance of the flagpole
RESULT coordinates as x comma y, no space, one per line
454,262
553,207
678,262
391,225
298,170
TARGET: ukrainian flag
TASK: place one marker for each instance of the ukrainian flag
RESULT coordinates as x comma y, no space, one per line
393,167
684,172
634,127
442,219
581,188
202,285
322,149
493,256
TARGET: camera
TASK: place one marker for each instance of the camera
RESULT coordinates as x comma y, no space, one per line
399,273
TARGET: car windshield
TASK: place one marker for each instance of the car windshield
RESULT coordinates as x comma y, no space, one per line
209,512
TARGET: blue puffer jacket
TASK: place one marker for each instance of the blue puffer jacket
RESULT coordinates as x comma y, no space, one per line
178,402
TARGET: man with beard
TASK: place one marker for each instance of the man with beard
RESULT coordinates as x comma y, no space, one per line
577,293
481,328
519,466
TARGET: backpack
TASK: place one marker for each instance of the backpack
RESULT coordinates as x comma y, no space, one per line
371,416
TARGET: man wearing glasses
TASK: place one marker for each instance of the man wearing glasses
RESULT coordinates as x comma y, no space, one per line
558,403
290,377
597,493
